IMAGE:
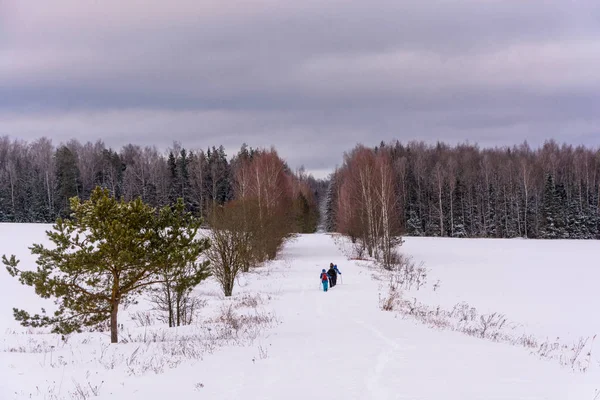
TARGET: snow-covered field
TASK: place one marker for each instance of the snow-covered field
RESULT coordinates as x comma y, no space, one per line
552,287
281,337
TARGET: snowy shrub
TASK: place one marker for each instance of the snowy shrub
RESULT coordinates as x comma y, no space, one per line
527,341
359,247
404,274
263,353
463,313
162,349
353,249
230,318
388,257
142,318
32,346
491,325
177,308
249,300
388,303
577,356
390,260
83,392
147,336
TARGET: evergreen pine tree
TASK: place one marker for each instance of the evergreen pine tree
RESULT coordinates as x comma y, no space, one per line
592,217
330,207
103,257
67,179
490,213
173,178
576,222
217,180
551,220
459,229
181,269
413,224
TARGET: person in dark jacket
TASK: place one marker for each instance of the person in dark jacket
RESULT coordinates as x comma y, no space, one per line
332,275
324,279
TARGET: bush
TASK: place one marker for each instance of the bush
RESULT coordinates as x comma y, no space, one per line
405,274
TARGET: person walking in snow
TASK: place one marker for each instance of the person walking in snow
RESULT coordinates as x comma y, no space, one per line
324,279
332,275
335,267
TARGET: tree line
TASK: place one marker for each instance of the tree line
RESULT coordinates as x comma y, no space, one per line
37,179
465,191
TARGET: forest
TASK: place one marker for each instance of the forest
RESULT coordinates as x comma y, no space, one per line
414,188
37,179
421,189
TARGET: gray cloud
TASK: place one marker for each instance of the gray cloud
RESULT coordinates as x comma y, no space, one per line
312,78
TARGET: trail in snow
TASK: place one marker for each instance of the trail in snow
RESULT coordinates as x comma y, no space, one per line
338,345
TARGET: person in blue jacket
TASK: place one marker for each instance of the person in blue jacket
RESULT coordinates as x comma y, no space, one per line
324,279
335,267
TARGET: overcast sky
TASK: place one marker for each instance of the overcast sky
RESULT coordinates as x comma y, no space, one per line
311,77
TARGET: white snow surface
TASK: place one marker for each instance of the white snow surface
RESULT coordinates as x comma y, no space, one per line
334,345
551,286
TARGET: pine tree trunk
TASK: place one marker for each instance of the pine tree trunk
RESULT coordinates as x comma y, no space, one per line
169,303
201,177
179,309
12,194
452,213
48,192
114,328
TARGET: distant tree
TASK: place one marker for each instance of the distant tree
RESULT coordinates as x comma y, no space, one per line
306,214
90,160
217,178
137,180
331,200
387,199
42,179
197,197
358,202
439,177
265,183
231,245
104,256
111,172
368,202
305,206
525,174
67,179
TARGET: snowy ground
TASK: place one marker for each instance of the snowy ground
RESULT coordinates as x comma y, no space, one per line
301,343
551,286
